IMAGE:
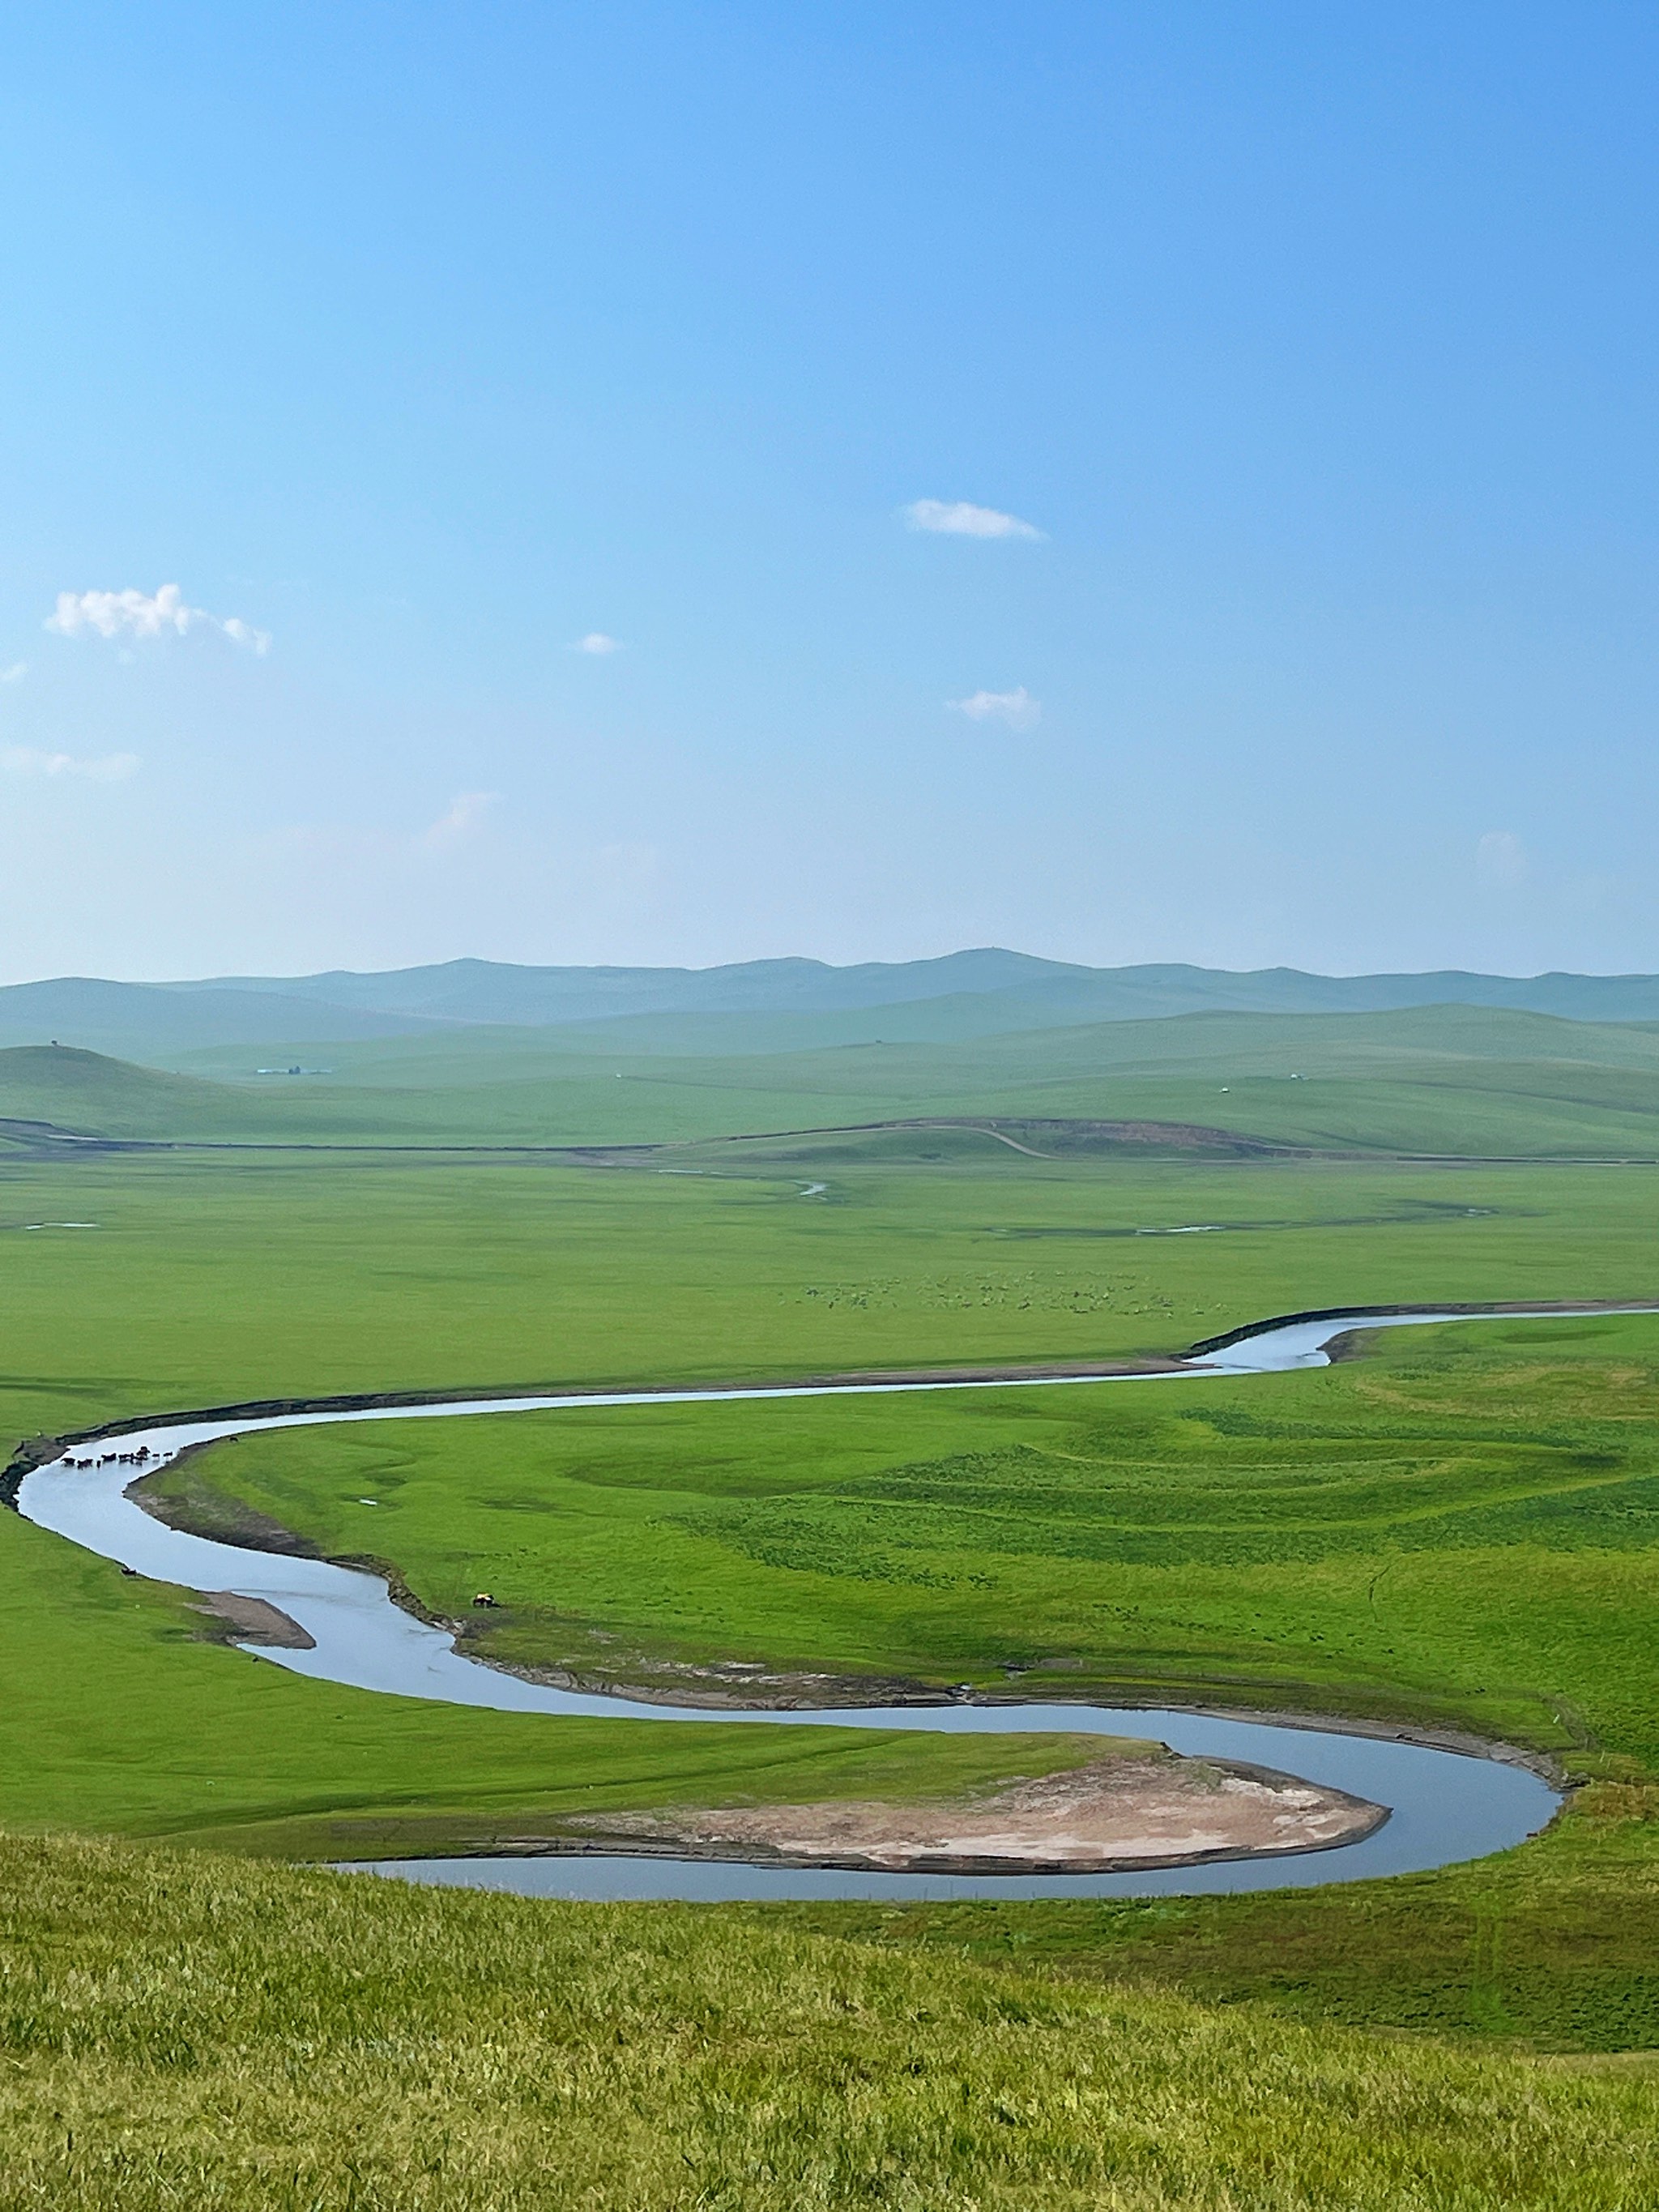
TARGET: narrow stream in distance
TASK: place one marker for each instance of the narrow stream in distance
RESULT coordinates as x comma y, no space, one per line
1445,1806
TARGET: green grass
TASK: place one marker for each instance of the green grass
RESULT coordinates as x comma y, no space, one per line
208,1283
1457,1529
1461,1530
187,2031
1554,1946
269,1276
119,1718
1349,1540
1447,1079
86,1094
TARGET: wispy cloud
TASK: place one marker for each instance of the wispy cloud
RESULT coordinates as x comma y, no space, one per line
1500,859
598,643
105,767
15,672
458,821
1019,709
141,614
626,868
960,517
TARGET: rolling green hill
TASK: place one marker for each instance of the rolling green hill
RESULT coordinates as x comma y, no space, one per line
1002,989
56,1090
754,1007
1428,1080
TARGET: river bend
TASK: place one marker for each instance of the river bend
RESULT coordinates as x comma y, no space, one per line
1444,1805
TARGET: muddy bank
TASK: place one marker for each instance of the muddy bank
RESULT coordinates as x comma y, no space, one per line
252,1620
1114,1815
179,1496
1511,1309
717,1687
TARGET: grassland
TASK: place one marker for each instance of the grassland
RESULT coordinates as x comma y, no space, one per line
1227,1541
1435,1080
187,2031
1349,1540
206,1283
119,1718
1352,1540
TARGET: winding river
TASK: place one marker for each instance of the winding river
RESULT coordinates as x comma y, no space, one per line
1444,1805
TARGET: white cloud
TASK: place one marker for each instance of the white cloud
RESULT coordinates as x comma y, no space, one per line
1500,859
139,614
462,816
15,672
960,517
1019,709
598,643
107,767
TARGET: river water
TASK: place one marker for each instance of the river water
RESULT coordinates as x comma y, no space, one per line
1443,1805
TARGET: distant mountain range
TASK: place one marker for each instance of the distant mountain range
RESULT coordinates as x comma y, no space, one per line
958,997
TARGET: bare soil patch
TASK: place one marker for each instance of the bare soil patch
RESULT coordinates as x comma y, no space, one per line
252,1620
1111,1815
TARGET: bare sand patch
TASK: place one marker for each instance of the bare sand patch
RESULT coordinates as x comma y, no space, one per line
1111,1815
255,1620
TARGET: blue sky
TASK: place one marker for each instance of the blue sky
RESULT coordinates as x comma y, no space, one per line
1313,346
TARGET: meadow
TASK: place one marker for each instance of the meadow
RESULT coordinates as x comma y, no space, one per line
1350,1541
1455,1530
186,2030
209,1279
1346,1541
1434,1080
208,1282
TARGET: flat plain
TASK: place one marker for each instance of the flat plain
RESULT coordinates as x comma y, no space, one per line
1454,1530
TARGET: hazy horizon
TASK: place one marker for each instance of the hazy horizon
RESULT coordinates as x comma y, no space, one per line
337,967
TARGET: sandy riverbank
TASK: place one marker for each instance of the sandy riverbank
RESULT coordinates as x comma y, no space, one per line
1112,1815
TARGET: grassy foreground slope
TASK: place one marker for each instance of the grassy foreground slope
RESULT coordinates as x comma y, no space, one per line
190,2032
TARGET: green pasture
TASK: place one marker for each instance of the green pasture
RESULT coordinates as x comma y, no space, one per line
120,1718
183,2030
205,1280
1349,1540
1463,1080
1461,1530
1453,1531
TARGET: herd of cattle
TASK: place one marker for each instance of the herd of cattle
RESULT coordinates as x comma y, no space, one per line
142,1457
